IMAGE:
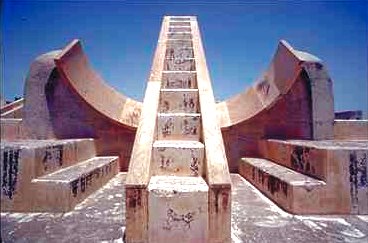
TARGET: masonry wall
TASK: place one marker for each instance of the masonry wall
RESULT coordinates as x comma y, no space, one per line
289,117
54,111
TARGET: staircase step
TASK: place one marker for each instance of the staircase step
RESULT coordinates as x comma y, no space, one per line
311,157
341,164
176,157
178,209
179,64
47,156
183,80
62,190
180,29
179,100
291,190
179,126
180,24
178,52
179,36
22,161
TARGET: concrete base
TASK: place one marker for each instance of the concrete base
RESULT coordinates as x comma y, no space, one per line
178,209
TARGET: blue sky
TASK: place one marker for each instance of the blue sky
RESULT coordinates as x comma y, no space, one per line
240,39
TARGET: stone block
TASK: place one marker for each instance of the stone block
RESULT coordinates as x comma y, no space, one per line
178,209
62,190
179,100
179,36
177,80
181,126
175,157
293,191
179,64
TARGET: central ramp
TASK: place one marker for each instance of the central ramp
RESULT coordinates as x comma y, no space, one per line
178,185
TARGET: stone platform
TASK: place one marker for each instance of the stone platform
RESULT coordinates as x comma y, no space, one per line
101,218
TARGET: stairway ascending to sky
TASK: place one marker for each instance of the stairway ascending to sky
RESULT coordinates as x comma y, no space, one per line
179,198
177,192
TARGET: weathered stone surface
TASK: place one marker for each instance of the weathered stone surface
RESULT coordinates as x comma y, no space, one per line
179,80
177,157
179,36
180,64
351,130
342,165
180,126
179,100
287,188
101,217
60,104
12,129
62,190
217,171
178,209
46,175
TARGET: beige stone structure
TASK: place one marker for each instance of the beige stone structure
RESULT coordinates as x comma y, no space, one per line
186,142
72,133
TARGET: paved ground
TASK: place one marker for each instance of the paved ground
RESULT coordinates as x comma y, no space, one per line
255,219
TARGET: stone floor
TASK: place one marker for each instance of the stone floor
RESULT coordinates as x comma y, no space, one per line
100,218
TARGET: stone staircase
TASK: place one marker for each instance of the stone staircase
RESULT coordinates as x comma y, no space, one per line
312,177
178,186
51,175
178,195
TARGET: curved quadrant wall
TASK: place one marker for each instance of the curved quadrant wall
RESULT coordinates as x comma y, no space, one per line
69,100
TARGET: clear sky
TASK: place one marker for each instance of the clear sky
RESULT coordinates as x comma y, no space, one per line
240,38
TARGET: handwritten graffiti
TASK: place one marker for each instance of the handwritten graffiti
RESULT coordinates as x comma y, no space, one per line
181,36
165,162
178,221
10,171
134,115
264,87
194,163
179,53
168,127
165,107
358,175
189,129
188,103
179,65
274,184
134,197
300,160
179,82
86,180
53,156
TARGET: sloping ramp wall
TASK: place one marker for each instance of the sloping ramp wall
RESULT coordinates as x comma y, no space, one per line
293,99
70,100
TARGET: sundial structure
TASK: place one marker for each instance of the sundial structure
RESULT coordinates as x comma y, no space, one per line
72,133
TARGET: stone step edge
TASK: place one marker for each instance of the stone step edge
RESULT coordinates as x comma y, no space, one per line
178,144
177,183
42,143
179,90
324,144
178,114
308,182
88,169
